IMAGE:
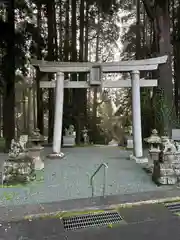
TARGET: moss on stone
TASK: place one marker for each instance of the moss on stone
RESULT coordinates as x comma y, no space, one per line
39,179
8,196
63,214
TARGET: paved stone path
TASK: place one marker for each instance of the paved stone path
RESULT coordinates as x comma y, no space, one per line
141,222
69,178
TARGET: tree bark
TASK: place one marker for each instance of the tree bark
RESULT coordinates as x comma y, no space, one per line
138,34
75,92
159,15
165,70
81,94
176,50
65,57
60,32
95,104
40,111
50,16
9,95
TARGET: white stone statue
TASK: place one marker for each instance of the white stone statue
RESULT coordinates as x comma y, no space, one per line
85,135
169,145
16,149
70,136
23,140
70,131
130,130
177,145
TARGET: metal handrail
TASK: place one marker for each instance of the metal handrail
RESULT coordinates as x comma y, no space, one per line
94,174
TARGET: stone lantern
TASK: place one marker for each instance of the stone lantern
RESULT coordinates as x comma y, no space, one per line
35,149
154,142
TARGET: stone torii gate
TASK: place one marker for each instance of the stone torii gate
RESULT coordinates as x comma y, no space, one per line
96,69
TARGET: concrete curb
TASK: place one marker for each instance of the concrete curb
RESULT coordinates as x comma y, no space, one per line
59,214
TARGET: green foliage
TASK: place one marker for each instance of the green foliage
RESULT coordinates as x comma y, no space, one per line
164,112
106,6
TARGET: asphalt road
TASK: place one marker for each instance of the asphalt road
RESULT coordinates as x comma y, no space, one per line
142,223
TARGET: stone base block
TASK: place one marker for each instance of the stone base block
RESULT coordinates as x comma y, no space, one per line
35,154
168,180
38,163
140,160
56,155
172,180
163,180
129,144
113,143
18,171
68,141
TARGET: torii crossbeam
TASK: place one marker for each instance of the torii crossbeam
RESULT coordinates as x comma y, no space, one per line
96,70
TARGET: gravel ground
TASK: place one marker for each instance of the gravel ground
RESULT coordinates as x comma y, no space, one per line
69,178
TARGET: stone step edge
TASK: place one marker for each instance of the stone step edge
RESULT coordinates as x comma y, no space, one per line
105,207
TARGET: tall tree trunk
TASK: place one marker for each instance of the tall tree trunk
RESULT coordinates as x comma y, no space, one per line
30,111
138,33
159,15
25,110
40,111
81,94
65,56
9,96
60,31
86,33
55,32
165,80
66,38
50,16
86,52
176,50
0,115
74,92
34,106
95,104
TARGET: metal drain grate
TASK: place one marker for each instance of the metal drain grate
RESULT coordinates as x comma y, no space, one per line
174,207
91,220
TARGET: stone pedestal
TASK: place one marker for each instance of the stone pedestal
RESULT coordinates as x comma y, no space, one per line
35,154
167,171
113,143
176,166
18,170
167,174
56,155
129,141
35,149
69,141
140,160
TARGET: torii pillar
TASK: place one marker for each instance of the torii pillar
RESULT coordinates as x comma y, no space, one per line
58,119
136,114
